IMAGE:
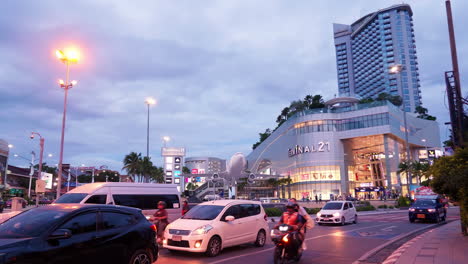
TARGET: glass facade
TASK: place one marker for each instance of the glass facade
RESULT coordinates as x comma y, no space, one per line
340,124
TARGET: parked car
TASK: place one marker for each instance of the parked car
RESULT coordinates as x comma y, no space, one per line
71,233
144,196
337,212
211,226
8,203
427,209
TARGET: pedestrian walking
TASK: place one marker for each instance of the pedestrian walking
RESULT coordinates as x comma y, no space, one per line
316,199
160,220
320,198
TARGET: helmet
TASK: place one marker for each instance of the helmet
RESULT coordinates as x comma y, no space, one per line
162,203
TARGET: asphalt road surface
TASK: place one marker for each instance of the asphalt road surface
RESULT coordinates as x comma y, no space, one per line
325,244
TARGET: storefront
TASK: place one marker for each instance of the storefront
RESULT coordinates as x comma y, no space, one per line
352,150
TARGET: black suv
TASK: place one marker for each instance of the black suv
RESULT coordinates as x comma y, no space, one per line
71,233
427,209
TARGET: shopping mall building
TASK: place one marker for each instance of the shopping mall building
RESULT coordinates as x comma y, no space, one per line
345,148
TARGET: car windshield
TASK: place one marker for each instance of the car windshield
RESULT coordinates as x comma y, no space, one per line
424,203
71,198
31,223
333,206
204,212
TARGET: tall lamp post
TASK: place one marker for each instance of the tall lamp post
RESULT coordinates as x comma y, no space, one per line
397,69
149,101
10,146
41,155
67,57
165,140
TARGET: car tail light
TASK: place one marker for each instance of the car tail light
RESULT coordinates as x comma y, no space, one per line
265,217
431,210
153,227
412,209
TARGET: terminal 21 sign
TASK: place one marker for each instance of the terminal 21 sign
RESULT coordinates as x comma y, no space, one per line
322,146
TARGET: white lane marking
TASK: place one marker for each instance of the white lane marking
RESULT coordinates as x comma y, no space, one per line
307,239
388,228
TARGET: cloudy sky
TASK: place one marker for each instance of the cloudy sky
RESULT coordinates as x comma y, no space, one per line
220,70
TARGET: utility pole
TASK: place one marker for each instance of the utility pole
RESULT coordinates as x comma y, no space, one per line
33,157
454,93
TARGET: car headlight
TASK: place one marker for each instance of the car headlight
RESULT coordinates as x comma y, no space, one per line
319,214
283,228
202,230
336,214
412,209
431,210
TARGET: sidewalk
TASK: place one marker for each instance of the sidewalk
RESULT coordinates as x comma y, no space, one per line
443,245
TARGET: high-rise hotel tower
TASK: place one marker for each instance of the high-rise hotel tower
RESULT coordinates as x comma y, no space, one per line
366,49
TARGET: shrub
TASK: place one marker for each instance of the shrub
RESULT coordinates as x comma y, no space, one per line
403,202
273,212
384,206
312,210
391,207
365,208
364,203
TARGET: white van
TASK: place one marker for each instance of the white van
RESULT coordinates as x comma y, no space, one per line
140,195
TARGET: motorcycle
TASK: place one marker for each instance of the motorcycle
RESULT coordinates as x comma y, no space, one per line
287,244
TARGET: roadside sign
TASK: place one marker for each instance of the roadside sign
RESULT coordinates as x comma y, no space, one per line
177,159
40,186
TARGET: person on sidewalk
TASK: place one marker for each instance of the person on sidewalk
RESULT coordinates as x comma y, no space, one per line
316,198
185,207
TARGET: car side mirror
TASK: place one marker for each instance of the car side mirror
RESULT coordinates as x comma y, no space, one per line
229,218
61,234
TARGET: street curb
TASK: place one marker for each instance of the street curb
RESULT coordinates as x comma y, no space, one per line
364,257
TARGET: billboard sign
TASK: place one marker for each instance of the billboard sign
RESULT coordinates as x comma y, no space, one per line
177,173
48,178
194,171
178,160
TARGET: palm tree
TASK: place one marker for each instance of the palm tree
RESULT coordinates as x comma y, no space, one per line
157,174
146,168
132,164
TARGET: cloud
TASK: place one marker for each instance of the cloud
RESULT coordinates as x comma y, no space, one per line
220,71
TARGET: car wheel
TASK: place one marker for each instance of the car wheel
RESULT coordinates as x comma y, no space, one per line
141,256
214,247
343,221
261,238
355,219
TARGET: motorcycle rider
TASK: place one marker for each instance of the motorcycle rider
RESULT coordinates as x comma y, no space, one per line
307,221
294,219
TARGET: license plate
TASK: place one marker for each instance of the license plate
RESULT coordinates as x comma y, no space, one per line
421,216
326,219
176,238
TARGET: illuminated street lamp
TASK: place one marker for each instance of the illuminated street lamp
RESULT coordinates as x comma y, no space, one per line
166,139
397,69
149,101
67,56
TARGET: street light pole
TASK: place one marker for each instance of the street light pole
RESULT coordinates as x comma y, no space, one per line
149,101
41,155
33,157
397,69
10,146
70,56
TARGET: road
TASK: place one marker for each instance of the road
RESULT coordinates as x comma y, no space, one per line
325,244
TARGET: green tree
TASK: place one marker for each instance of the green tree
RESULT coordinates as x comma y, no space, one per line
186,170
366,100
423,113
190,186
263,137
132,164
450,177
112,176
394,99
157,174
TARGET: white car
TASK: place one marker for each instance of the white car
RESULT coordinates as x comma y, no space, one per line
211,226
337,212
